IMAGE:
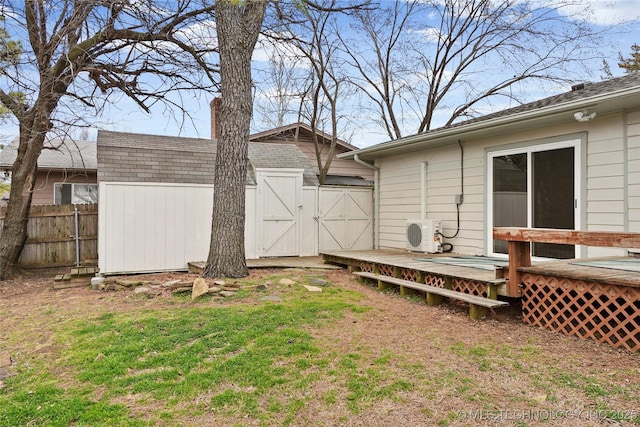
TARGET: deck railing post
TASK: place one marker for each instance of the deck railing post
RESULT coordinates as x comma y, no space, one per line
519,256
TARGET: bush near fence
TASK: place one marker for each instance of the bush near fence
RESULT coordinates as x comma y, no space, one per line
51,232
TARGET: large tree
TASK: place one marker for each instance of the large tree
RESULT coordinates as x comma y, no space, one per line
416,59
238,25
74,56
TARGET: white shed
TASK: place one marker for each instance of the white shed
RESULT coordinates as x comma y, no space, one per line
156,195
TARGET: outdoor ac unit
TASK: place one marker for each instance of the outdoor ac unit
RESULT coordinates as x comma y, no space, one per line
424,235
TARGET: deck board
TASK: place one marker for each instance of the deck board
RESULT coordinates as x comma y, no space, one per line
410,260
559,268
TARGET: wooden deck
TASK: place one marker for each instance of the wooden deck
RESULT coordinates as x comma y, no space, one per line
571,269
410,262
566,296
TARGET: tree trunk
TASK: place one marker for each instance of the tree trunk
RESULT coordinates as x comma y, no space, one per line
23,179
238,25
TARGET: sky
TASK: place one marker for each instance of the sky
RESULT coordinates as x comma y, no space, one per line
124,116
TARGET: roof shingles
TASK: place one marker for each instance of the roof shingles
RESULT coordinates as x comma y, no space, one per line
131,157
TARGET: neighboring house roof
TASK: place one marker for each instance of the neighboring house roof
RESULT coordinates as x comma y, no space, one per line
295,127
133,157
601,98
56,155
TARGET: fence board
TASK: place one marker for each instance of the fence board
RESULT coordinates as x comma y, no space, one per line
51,235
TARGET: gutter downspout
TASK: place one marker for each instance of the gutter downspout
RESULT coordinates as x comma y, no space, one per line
423,190
376,199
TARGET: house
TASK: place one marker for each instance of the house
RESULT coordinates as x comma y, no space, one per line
67,171
570,161
156,201
341,172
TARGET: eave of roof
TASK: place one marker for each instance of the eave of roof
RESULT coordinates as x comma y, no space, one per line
67,155
293,126
493,125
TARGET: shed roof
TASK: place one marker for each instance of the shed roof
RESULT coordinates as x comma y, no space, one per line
57,154
601,98
133,157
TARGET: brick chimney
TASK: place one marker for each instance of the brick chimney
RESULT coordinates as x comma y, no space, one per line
215,117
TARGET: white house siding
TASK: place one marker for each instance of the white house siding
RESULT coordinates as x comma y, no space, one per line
603,182
605,179
399,193
633,180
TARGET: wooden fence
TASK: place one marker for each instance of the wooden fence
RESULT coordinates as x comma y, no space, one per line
52,237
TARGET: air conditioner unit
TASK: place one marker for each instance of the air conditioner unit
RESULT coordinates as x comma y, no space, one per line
424,235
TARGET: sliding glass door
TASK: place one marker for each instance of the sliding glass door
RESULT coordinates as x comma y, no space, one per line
535,187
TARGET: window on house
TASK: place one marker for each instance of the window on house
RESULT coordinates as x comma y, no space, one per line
68,194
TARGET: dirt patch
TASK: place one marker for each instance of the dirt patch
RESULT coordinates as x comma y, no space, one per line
439,346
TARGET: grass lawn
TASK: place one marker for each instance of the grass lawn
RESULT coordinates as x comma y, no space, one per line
315,358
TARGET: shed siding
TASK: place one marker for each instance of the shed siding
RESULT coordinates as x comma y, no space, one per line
603,181
152,226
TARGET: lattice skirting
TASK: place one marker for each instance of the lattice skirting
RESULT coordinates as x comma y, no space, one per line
604,313
366,266
409,274
434,281
386,270
469,287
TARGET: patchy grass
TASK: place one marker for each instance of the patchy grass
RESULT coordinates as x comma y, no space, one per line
329,358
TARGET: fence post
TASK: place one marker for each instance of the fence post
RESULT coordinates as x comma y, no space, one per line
77,236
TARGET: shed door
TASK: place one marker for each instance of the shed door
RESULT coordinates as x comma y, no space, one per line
346,218
279,204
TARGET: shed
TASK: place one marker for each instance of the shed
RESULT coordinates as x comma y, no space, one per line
156,195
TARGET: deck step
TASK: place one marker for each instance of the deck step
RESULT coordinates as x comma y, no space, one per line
473,300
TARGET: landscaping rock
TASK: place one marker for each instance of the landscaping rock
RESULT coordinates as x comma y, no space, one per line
96,281
261,288
132,283
312,288
150,291
182,290
219,282
318,281
271,298
214,289
287,282
228,293
200,287
175,284
171,284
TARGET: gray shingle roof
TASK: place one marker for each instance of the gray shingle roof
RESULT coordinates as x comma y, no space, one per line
57,154
605,97
578,92
131,157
